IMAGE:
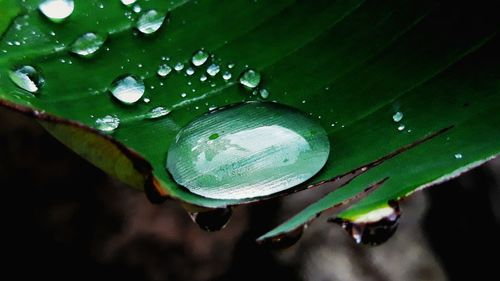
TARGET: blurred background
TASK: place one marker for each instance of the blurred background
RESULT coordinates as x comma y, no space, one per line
62,218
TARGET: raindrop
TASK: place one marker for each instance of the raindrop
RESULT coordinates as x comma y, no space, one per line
401,127
127,89
199,58
246,160
250,78
230,66
107,124
87,44
164,70
183,95
189,71
373,228
213,220
458,156
398,116
137,9
128,2
226,75
157,112
265,94
203,78
57,10
150,21
213,69
27,78
179,66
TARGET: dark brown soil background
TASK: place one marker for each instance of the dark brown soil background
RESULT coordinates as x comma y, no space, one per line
62,218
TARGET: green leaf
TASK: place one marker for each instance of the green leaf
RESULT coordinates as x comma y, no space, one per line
351,64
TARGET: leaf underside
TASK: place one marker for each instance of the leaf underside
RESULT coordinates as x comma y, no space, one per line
350,64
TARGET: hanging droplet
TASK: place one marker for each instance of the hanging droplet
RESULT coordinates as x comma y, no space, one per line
150,21
107,124
164,70
157,112
27,78
250,78
398,116
213,220
261,149
373,228
283,241
127,89
57,10
199,58
128,2
264,93
87,44
213,69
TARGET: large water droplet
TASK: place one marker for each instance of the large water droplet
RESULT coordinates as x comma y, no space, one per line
213,220
199,58
128,2
250,78
27,78
87,44
164,70
260,149
158,112
373,228
107,124
57,10
127,89
150,21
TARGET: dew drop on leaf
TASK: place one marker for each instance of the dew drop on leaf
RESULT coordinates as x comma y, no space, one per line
57,10
127,89
164,70
149,22
226,75
199,58
398,116
458,156
128,2
246,160
107,124
157,112
27,78
189,71
213,69
250,78
264,93
87,44
179,66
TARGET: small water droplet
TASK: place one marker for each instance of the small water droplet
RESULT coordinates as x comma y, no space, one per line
458,156
189,71
158,112
230,66
203,78
146,100
127,89
401,127
87,44
199,58
213,220
264,94
283,241
150,21
373,228
250,78
226,75
164,70
137,9
246,160
398,116
57,10
107,124
213,69
27,78
183,95
179,66
128,2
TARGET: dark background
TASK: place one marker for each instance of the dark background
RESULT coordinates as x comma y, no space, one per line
62,218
